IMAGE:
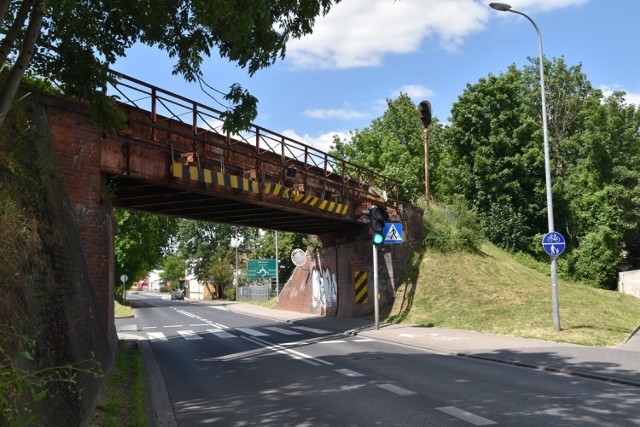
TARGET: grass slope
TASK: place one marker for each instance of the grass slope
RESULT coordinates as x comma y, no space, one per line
493,292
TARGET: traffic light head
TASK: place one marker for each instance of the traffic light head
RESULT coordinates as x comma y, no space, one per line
425,113
376,218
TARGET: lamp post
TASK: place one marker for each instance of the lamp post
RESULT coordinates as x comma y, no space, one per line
235,243
502,7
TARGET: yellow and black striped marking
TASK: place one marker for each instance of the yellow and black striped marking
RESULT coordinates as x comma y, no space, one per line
362,289
193,173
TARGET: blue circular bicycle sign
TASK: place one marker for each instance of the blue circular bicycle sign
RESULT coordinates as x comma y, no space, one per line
553,243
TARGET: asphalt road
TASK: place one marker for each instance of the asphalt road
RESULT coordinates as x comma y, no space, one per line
226,368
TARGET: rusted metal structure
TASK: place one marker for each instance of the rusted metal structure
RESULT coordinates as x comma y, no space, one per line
258,178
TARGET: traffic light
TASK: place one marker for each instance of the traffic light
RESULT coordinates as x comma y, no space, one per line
376,218
425,113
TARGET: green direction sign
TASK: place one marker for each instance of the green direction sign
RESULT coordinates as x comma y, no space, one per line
261,269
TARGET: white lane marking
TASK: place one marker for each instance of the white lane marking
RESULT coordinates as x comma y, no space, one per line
332,342
156,336
199,324
220,333
397,390
132,327
219,307
349,373
282,331
189,335
287,351
312,330
186,313
252,332
172,326
474,419
362,340
219,325
149,327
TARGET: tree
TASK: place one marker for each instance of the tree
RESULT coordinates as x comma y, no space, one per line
392,146
74,43
493,157
200,242
287,242
491,154
141,241
221,271
173,269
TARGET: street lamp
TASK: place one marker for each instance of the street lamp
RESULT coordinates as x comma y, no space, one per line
502,7
235,243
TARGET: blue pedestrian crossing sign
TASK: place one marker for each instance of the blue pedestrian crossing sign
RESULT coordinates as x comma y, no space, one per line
392,232
553,243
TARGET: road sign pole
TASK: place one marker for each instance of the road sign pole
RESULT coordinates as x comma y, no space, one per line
375,286
554,295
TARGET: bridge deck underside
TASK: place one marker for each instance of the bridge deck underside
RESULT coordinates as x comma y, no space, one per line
184,202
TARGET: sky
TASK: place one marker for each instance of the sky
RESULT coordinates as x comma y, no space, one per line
365,52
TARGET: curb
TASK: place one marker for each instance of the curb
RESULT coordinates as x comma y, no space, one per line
565,371
161,413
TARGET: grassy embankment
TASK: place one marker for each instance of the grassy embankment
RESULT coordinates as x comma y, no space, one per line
497,292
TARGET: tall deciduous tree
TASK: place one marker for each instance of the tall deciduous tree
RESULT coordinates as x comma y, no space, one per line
493,156
74,42
392,145
141,241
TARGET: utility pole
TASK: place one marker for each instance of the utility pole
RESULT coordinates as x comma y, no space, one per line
425,118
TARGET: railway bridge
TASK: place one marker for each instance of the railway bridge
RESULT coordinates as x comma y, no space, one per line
174,158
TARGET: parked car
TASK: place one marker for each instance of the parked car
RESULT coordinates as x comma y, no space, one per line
177,294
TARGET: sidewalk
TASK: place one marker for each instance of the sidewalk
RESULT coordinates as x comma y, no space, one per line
619,365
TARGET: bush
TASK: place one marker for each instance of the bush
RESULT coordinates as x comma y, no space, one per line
453,228
231,293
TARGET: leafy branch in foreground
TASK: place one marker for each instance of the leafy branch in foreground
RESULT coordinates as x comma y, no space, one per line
22,385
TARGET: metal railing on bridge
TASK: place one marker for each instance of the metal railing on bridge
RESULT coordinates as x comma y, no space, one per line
164,106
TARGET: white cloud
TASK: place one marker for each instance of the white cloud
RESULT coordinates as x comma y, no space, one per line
542,5
360,33
630,97
334,113
322,142
416,92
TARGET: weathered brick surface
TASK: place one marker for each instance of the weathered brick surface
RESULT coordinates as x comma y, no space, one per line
325,284
72,283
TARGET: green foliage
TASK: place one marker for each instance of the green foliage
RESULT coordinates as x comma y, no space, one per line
23,383
79,40
492,155
392,146
231,294
141,241
173,269
452,228
122,399
221,270
287,242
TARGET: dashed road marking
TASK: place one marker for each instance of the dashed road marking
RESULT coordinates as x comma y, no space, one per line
312,330
189,335
349,373
282,330
474,419
220,333
156,336
252,332
397,390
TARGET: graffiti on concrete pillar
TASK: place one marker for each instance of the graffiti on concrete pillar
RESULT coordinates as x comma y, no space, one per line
325,289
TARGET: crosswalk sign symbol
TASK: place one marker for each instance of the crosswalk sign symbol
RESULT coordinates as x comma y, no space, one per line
393,232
